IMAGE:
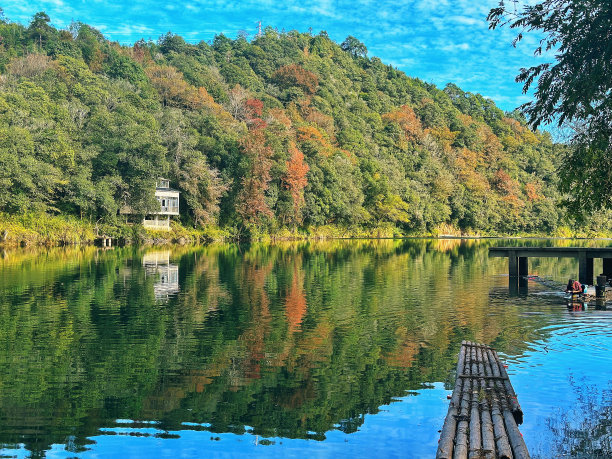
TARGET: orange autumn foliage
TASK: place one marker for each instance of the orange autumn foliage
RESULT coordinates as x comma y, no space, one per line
492,146
295,179
176,92
466,119
533,191
509,188
405,351
279,116
466,163
294,75
407,121
504,183
323,121
314,139
521,132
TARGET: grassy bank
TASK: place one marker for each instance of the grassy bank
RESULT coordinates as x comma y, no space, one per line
49,230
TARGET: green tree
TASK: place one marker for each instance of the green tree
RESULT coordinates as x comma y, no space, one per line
354,47
575,91
39,28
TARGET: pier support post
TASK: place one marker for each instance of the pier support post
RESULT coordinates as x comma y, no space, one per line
607,267
523,266
513,270
585,269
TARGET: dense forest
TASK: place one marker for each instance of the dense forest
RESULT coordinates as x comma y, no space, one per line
286,131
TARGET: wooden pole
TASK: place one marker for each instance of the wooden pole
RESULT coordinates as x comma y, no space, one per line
512,264
447,436
517,443
475,432
523,266
517,412
461,440
607,267
501,440
488,437
585,268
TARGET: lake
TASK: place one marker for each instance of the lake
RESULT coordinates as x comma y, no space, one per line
293,349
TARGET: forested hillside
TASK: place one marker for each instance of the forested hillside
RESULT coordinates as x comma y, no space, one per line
288,130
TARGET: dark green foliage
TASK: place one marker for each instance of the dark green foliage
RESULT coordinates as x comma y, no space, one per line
354,47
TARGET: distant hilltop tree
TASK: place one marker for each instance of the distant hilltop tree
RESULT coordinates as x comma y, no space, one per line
354,47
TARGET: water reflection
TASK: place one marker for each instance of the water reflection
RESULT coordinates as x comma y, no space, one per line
585,428
288,342
157,264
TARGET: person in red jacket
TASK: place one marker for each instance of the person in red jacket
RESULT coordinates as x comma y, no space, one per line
573,286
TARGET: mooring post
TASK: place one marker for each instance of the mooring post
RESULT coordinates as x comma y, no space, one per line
600,288
523,266
585,269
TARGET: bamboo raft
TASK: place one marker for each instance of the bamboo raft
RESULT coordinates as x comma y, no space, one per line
484,413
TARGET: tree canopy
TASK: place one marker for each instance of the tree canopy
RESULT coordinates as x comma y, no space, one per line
574,90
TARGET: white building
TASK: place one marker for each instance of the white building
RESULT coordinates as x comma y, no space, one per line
168,205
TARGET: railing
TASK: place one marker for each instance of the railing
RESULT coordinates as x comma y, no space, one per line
156,224
169,209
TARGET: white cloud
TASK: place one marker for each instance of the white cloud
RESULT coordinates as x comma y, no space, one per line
452,47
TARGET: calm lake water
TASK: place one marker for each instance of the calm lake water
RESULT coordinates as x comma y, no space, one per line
293,350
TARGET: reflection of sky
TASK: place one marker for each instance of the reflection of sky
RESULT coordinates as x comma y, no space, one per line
578,349
406,428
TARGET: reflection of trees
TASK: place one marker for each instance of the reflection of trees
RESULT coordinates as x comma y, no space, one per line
295,300
585,430
289,339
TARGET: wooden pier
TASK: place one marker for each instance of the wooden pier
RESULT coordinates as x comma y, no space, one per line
518,259
484,413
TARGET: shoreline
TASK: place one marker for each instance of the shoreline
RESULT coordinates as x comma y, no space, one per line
54,231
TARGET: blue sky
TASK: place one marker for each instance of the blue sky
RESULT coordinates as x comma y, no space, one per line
439,41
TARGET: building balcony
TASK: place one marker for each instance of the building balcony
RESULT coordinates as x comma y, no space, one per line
156,223
168,210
